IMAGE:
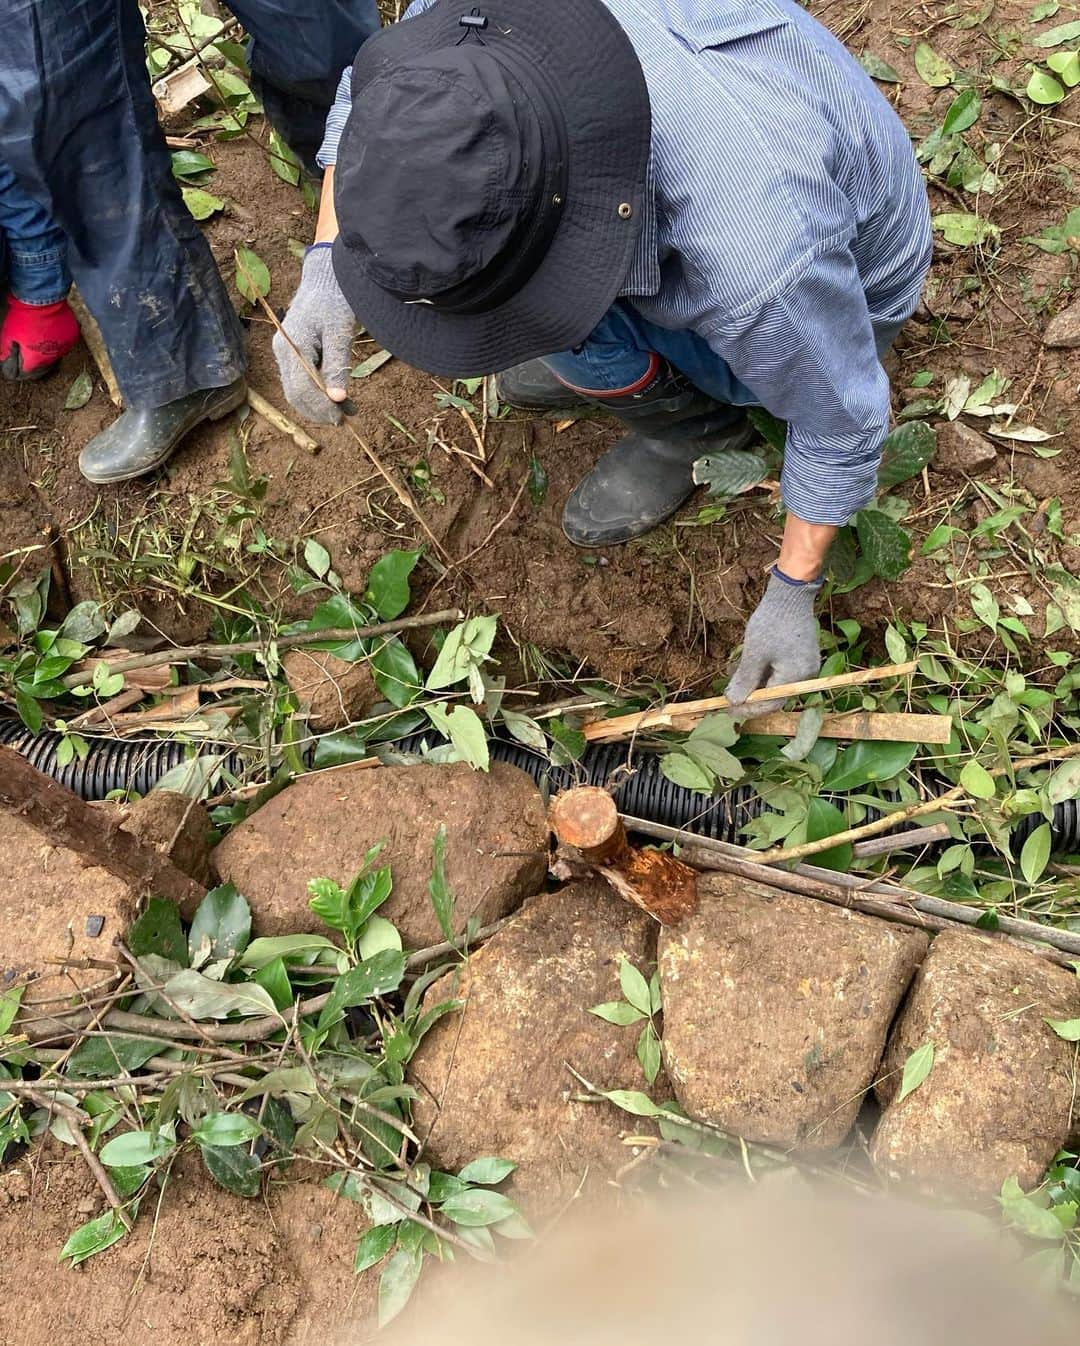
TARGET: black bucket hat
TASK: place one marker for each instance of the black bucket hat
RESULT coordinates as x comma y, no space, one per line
490,181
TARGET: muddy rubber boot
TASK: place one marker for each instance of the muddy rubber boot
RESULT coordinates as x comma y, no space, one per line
533,387
140,441
648,474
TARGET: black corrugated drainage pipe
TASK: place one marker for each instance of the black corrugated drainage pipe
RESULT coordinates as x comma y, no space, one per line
138,764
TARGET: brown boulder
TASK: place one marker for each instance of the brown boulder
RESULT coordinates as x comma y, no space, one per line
1063,329
176,826
776,1010
493,1080
962,451
332,691
999,1099
324,824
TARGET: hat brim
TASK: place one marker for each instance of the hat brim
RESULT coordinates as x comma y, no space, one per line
596,78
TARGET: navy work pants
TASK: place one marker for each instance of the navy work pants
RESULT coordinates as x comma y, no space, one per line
78,127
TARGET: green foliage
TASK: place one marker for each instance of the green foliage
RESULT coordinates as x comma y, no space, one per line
916,1068
252,275
702,760
348,910
221,926
442,896
158,931
642,1002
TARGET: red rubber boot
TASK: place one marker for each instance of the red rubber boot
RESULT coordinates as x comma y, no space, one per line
34,338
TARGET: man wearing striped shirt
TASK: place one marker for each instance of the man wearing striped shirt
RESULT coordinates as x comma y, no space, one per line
668,209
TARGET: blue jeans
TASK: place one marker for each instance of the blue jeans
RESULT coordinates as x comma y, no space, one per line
617,352
79,128
33,251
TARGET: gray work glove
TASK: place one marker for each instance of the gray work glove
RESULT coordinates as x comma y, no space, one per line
780,645
321,325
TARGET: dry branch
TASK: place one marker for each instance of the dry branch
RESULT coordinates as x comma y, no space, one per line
685,714
280,421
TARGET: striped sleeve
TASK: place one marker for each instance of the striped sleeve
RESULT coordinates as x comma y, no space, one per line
809,354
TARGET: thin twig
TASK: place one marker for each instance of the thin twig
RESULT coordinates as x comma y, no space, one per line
280,421
75,1121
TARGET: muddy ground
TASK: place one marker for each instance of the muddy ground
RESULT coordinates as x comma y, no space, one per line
670,606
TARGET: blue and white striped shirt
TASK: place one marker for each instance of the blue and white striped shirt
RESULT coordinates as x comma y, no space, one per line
789,225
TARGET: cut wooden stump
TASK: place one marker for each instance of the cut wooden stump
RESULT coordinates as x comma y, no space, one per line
586,820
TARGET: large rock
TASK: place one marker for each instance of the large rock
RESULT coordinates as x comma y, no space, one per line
324,824
776,1010
331,691
493,1080
962,451
1063,329
999,1100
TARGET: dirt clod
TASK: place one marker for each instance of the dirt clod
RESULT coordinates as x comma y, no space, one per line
494,1080
998,1100
962,452
332,691
324,824
176,826
1063,330
776,1010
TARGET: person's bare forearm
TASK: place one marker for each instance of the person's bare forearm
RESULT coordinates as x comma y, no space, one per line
326,227
804,548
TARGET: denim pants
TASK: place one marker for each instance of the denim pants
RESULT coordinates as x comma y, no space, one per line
617,354
78,126
33,251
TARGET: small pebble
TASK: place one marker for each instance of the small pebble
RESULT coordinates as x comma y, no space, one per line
94,926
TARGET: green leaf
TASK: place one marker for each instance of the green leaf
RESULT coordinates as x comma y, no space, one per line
963,113
135,1147
201,205
395,672
964,229
112,1054
373,1246
158,931
633,1101
886,546
282,160
234,1167
538,481
730,472
80,392
905,452
373,977
977,781
1069,1029
1035,853
824,819
634,986
225,1128
93,1237
128,1179
1056,37
618,1012
252,276
479,1207
442,896
933,69
204,998
867,761
378,934
1044,89
878,68
525,729
771,429
1066,64
316,558
329,902
708,745
190,164
29,709
487,1171
516,1227
388,589
683,770
466,646
916,1068
9,1007
260,952
1064,783
274,979
464,728
568,744
84,623
1027,1215
648,1052
222,922
397,1282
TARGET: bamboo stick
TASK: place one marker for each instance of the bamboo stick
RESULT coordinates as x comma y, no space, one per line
676,713
879,726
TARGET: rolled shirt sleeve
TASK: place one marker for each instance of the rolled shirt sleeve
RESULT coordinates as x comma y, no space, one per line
808,352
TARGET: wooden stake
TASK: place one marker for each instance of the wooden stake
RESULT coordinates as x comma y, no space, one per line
677,714
864,725
586,821
95,344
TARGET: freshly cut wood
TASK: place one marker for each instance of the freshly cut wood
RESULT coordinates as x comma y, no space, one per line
678,714
865,725
180,87
587,821
280,421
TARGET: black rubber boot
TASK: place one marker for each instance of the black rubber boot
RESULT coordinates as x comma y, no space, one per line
140,441
648,475
533,387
